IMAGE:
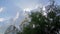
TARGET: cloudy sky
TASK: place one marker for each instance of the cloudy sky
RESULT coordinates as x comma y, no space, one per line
13,11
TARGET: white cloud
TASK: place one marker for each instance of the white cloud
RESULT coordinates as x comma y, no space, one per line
17,16
27,9
44,8
2,19
1,9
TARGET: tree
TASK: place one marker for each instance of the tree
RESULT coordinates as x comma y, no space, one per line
41,24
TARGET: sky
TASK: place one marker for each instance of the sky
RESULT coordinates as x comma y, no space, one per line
13,11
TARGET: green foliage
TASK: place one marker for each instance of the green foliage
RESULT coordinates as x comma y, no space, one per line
43,25
51,14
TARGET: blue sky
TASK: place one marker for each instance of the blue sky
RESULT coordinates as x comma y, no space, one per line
13,10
